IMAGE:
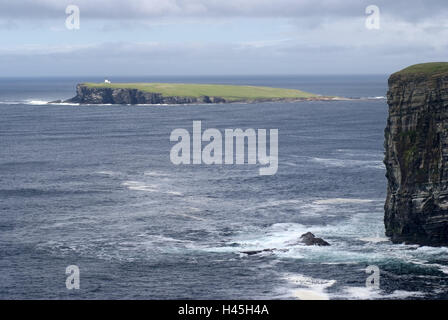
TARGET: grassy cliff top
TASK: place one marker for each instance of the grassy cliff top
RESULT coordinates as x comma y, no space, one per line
425,68
228,92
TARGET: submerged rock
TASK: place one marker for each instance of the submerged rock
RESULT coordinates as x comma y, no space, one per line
311,240
252,252
416,159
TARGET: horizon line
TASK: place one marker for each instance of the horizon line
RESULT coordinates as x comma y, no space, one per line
194,75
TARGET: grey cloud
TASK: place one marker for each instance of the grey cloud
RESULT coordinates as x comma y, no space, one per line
207,58
337,42
8,25
310,10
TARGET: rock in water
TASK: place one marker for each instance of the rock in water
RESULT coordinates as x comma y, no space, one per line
252,252
416,159
310,240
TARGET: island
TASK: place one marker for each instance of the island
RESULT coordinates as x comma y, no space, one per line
184,93
416,158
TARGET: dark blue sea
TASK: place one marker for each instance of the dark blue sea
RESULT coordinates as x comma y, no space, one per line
93,186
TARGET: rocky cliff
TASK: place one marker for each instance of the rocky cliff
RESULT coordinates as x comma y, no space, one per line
416,158
92,95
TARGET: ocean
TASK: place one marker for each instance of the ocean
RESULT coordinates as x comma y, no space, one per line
93,186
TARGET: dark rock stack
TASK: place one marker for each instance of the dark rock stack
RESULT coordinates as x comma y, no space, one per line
311,240
416,145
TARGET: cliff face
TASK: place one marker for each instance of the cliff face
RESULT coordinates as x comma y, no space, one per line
90,95
416,159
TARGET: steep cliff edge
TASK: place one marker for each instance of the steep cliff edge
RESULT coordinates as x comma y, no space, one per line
416,159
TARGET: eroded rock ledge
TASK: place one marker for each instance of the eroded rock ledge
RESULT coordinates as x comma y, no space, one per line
416,159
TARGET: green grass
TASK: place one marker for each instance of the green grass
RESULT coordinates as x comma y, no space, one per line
228,92
426,68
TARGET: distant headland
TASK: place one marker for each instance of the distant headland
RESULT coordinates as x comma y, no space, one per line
183,93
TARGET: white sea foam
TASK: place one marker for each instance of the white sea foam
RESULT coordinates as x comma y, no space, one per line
332,206
175,193
274,203
361,152
308,288
365,293
37,102
340,263
276,236
342,201
332,162
377,98
190,216
372,98
156,174
291,164
357,240
442,268
315,209
374,239
65,104
284,239
108,173
425,263
138,186
164,239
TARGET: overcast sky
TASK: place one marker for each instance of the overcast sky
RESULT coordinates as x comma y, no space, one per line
214,37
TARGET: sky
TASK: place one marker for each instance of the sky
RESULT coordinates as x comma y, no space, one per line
219,37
